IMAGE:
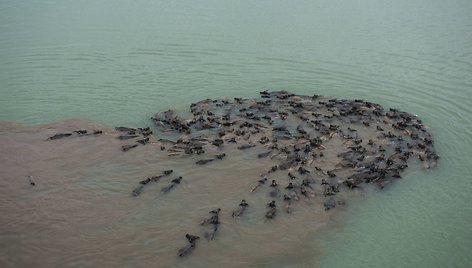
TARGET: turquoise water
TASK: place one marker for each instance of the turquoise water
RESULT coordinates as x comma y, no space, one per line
118,62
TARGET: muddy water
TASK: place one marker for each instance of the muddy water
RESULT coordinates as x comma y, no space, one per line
80,211
68,202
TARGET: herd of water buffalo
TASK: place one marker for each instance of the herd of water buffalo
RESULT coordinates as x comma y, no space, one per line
298,134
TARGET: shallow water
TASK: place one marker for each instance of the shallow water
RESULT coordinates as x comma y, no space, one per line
81,212
117,63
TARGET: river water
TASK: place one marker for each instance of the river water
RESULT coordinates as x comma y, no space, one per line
119,62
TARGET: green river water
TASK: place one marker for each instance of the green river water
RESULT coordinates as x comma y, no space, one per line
119,62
